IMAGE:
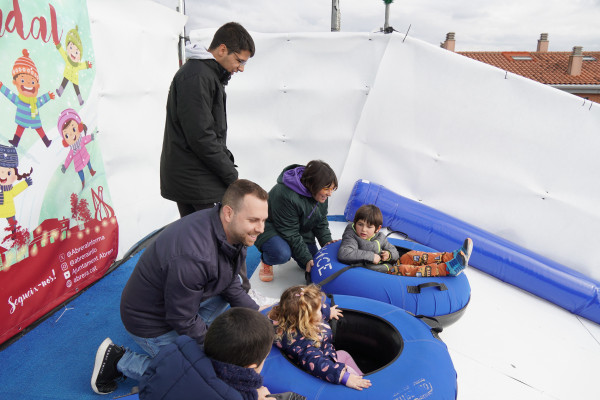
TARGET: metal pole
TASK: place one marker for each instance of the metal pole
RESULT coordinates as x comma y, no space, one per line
335,15
387,17
182,36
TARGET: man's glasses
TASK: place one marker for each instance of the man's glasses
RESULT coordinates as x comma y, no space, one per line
242,62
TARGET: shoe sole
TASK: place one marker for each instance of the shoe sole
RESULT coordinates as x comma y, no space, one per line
468,250
98,363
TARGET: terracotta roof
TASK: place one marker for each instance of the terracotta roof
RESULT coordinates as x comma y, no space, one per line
549,68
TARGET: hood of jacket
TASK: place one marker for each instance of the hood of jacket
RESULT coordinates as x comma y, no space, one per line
196,51
291,176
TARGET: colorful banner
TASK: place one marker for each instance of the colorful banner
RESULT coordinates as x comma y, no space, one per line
58,231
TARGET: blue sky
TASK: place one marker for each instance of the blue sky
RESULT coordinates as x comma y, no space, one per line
479,25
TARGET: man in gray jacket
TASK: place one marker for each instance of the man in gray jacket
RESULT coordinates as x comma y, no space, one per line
196,167
183,280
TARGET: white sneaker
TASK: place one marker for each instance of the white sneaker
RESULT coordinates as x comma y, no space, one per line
260,299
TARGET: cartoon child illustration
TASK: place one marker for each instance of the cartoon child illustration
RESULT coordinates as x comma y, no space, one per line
71,127
9,174
73,64
27,81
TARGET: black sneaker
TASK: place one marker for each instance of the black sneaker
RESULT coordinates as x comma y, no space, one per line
105,367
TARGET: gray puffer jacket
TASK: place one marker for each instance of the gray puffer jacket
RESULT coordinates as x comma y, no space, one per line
356,250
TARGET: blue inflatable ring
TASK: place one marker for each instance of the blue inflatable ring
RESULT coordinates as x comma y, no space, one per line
401,356
442,298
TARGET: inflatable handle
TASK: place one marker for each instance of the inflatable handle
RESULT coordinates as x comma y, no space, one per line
417,289
332,322
286,396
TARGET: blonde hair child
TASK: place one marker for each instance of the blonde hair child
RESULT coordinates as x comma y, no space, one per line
305,337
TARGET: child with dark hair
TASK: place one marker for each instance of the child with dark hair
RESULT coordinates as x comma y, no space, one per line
235,348
363,243
303,334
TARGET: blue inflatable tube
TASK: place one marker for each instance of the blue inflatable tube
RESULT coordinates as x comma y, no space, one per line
443,298
498,257
400,354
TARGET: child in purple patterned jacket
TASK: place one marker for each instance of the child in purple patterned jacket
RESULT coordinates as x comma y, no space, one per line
305,337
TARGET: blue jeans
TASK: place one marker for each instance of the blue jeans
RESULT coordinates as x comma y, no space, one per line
277,251
133,365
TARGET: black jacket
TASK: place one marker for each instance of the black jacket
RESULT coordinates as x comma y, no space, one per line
189,262
195,165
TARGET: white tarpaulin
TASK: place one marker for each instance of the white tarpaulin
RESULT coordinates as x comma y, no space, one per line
499,151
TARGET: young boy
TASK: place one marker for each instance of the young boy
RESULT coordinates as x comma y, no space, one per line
235,348
363,243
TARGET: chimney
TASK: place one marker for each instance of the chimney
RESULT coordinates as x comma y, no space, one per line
575,61
542,46
450,42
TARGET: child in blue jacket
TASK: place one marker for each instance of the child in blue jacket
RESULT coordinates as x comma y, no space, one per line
228,368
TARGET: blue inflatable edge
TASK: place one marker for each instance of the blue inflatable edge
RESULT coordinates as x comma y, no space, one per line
492,254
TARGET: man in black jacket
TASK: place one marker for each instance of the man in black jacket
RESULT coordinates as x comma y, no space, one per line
195,165
183,280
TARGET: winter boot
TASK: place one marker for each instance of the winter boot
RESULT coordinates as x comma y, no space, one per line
15,140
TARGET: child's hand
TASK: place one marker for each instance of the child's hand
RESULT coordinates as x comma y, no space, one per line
52,95
262,393
376,259
89,64
358,382
385,255
0,83
335,312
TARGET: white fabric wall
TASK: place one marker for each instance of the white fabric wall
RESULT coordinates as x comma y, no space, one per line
136,53
501,152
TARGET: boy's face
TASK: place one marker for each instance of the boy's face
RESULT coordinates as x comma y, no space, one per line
26,85
365,230
7,176
71,132
73,52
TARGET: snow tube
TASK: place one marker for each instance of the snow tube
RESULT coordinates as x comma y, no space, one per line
401,355
443,298
494,255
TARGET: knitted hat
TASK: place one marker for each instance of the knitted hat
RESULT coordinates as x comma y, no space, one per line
8,157
73,37
68,115
25,65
